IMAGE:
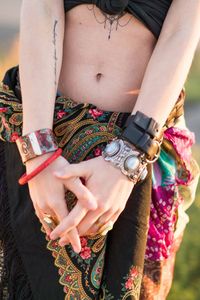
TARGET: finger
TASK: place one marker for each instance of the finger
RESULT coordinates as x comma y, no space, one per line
92,222
74,170
70,222
82,193
107,216
92,218
73,238
40,216
87,223
94,229
60,209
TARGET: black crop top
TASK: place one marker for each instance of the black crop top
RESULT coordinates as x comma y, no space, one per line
151,12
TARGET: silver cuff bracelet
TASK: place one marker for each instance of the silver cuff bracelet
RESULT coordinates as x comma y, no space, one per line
130,161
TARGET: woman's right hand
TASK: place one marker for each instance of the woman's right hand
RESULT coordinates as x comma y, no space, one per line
48,194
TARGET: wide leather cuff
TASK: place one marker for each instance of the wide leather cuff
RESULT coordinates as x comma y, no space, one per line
36,143
144,133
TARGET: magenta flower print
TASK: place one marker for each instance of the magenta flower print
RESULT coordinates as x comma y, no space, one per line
85,253
95,113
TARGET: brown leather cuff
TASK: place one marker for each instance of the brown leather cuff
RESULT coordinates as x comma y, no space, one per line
36,143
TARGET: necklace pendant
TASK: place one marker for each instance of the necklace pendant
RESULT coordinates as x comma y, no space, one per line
110,30
111,19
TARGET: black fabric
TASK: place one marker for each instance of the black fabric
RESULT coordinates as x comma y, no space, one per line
151,13
31,244
14,283
125,245
126,242
28,268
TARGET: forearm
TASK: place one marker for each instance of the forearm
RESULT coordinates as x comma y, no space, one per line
41,43
168,68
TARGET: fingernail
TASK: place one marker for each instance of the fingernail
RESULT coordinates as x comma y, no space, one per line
77,250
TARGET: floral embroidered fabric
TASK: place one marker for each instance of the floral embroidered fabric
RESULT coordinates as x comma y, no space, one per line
111,267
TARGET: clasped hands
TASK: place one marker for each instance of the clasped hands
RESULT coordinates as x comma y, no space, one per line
102,197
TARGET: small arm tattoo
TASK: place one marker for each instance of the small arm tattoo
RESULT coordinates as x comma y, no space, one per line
55,52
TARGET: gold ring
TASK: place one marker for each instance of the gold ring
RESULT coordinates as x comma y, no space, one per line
99,222
49,221
103,230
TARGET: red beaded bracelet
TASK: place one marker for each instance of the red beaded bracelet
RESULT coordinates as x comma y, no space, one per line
26,177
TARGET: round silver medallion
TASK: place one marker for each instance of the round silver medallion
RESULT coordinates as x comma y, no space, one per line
131,163
112,148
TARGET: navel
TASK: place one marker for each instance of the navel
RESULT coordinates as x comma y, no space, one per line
99,76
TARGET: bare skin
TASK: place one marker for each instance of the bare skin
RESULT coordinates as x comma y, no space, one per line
109,78
164,77
107,73
91,73
102,71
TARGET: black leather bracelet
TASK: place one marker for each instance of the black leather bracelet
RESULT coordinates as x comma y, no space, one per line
144,133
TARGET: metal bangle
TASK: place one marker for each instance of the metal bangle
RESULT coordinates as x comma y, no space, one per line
130,161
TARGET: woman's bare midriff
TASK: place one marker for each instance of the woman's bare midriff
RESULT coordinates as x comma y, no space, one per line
102,71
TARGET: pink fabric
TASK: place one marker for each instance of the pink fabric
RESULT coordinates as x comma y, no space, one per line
168,174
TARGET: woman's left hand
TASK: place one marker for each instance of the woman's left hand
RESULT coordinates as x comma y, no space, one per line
111,189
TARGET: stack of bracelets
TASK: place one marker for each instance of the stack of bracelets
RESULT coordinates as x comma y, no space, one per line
35,144
138,145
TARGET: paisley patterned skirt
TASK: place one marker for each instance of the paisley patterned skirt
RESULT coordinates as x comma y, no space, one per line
134,259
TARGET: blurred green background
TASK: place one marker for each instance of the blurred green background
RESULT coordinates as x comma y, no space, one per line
186,284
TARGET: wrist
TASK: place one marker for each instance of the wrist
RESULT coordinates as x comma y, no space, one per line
27,129
36,161
27,177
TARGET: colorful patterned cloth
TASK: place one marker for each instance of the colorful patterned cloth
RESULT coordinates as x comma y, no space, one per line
107,267
174,179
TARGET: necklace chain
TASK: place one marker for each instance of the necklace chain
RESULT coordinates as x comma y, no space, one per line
110,20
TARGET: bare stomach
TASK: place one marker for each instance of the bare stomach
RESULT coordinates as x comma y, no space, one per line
102,71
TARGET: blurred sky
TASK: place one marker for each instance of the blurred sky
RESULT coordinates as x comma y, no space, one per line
9,23
9,12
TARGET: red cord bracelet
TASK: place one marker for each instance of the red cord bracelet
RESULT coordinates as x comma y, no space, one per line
26,177
3,109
